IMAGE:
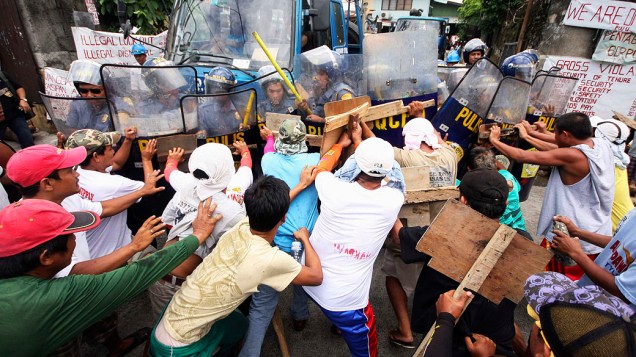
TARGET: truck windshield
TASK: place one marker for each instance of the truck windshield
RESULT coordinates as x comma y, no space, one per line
417,24
221,31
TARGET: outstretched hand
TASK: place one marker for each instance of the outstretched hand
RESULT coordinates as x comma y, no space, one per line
149,230
206,220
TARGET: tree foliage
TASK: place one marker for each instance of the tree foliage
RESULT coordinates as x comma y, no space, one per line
150,16
487,15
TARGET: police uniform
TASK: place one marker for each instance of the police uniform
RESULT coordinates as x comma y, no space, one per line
335,92
217,118
286,106
83,115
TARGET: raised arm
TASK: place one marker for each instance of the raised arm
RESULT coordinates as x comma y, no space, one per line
122,154
537,143
557,157
149,230
175,156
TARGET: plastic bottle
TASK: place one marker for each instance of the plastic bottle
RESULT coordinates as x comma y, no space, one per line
296,250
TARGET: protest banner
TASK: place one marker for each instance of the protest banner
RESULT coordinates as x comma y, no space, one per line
92,9
602,14
110,47
56,83
602,87
616,47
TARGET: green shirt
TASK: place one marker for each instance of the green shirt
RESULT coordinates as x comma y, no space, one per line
39,315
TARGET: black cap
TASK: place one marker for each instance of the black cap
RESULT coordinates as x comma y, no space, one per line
484,185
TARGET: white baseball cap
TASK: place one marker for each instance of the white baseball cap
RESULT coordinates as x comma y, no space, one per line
374,156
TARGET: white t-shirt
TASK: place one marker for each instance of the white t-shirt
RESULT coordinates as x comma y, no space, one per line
348,236
112,233
81,253
237,266
182,210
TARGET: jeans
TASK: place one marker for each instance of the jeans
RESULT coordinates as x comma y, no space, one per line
262,309
21,129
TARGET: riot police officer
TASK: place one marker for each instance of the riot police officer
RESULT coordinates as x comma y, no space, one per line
93,113
278,101
474,50
328,83
218,115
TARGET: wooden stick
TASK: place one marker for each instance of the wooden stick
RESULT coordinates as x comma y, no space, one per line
477,273
277,321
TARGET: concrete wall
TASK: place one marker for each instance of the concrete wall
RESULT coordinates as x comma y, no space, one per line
48,27
558,39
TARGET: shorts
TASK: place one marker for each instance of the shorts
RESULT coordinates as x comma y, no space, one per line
393,265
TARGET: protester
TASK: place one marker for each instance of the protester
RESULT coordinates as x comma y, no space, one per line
448,311
202,315
574,320
36,241
211,170
483,158
97,184
45,172
423,146
355,204
485,191
616,134
581,183
286,158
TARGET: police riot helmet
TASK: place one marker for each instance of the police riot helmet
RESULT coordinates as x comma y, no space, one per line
164,79
83,71
522,65
138,49
219,80
475,44
453,57
265,78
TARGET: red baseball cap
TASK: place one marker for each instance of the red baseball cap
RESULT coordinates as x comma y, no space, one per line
28,166
29,223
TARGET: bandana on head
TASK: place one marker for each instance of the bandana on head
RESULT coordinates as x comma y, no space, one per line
291,138
216,161
419,130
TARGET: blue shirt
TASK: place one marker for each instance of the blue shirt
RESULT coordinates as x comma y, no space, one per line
618,256
303,211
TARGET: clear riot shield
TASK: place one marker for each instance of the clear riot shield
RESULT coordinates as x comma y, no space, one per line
223,117
449,78
510,103
272,94
401,64
466,108
550,94
70,114
150,97
324,76
548,100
